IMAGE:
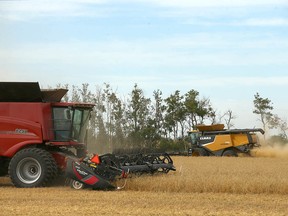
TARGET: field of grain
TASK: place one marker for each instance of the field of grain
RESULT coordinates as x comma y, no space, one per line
200,186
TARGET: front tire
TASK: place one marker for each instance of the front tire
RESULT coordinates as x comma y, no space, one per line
230,153
77,185
199,152
32,167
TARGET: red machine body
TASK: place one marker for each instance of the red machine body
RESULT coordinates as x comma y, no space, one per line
31,118
23,124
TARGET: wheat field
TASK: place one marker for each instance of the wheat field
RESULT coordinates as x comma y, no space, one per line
201,186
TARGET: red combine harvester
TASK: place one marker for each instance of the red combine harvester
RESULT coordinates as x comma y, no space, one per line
36,130
40,137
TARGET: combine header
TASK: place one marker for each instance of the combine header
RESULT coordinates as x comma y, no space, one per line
146,163
209,140
102,172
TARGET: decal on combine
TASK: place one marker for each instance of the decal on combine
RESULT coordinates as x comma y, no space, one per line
205,138
84,176
21,131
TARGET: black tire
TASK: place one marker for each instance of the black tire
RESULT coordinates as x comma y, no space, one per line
199,152
32,167
230,153
4,167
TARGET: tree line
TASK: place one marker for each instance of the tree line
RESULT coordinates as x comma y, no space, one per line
263,107
135,121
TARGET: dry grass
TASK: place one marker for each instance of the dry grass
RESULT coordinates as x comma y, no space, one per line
200,186
220,175
65,201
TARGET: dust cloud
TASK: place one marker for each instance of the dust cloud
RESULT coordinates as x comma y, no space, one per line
271,150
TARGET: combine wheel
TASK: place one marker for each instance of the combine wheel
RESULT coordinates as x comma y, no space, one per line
77,185
230,153
165,160
199,152
32,167
3,167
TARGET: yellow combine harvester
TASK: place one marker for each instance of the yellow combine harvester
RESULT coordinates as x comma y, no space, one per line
214,140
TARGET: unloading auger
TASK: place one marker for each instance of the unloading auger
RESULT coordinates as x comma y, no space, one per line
102,172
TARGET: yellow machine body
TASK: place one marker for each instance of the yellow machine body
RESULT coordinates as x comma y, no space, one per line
215,140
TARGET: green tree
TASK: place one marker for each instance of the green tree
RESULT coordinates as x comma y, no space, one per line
197,109
263,107
175,114
138,110
205,110
276,122
114,118
191,103
85,94
75,94
158,109
154,126
97,121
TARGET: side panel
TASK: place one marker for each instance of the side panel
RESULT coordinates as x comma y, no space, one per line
240,139
47,123
254,138
220,142
16,133
30,112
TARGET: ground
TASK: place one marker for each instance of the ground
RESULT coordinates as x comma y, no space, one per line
200,186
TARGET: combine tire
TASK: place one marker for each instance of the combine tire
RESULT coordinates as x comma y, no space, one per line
32,167
199,152
229,153
77,185
3,167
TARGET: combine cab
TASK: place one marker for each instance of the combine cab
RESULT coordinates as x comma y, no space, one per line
209,140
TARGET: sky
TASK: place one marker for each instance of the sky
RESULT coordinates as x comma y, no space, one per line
226,50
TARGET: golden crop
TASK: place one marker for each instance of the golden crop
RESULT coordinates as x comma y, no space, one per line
200,186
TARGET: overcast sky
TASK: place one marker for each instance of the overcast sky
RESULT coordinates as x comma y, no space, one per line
227,50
